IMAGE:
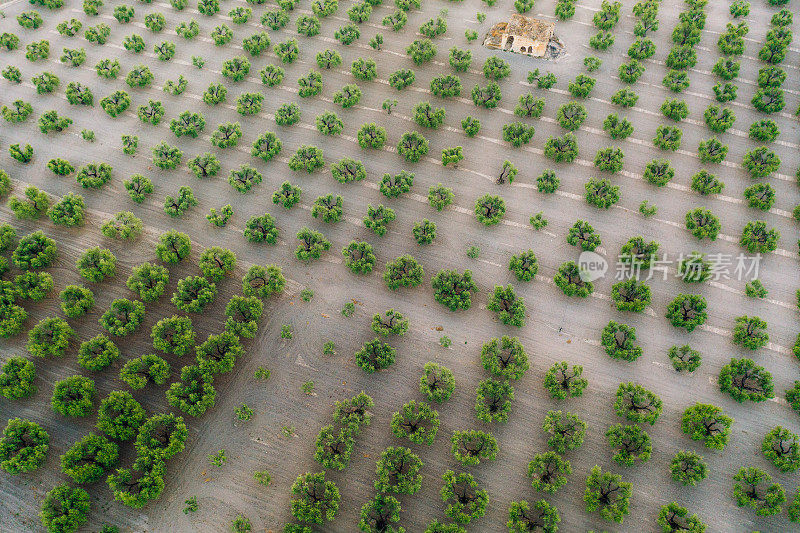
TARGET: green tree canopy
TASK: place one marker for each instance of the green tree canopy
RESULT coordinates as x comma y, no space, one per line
16,378
23,447
173,335
548,471
437,382
398,471
688,467
140,371
607,493
315,500
120,416
781,447
89,459
754,489
416,421
65,509
161,437
452,289
744,380
707,423
123,317
493,400
73,396
469,447
97,353
541,516
561,381
50,338
464,500
194,394
505,357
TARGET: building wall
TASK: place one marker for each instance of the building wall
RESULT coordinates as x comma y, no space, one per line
523,45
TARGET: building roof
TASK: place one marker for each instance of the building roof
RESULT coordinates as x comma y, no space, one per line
524,35
530,28
495,35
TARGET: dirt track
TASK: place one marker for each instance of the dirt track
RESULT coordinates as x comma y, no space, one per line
256,445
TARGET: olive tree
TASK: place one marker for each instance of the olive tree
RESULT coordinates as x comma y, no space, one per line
687,311
23,447
630,444
312,244
263,281
216,263
65,508
379,513
89,459
464,500
637,404
404,271
138,372
389,323
754,489
469,447
780,446
416,421
505,357
583,234
123,317
16,378
452,289
684,358
160,437
744,380
138,485
509,307
73,396
608,494
673,517
194,294
97,353
757,238
173,247
50,338
619,341
565,431
219,353
398,471
194,394
35,204
493,400
334,447
750,332
548,471
315,500
375,355
707,423
359,257
76,300
561,381
149,281
540,516
437,382
569,279
688,467
120,416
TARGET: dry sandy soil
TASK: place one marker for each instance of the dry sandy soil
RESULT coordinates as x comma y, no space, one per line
259,444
